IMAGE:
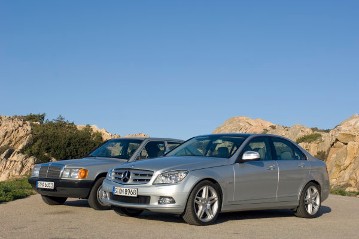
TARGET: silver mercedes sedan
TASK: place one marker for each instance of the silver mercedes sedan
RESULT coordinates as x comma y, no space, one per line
217,173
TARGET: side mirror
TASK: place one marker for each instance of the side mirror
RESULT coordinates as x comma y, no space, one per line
251,155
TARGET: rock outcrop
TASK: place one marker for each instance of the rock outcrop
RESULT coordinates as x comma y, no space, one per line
137,135
343,157
15,134
338,147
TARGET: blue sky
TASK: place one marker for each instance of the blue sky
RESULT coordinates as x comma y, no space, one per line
180,68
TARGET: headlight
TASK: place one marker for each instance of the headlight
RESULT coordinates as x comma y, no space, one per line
109,175
35,171
77,173
170,177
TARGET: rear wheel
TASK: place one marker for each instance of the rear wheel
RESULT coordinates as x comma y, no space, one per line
96,196
53,200
309,202
124,211
203,205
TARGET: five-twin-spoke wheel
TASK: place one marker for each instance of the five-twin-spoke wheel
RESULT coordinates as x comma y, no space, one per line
309,202
204,204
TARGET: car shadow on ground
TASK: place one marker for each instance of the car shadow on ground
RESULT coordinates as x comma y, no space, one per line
231,216
223,217
77,203
263,214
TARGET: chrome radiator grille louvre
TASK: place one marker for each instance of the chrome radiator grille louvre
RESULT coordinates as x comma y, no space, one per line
132,176
50,171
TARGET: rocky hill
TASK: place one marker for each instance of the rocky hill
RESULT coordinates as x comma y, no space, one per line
15,135
338,147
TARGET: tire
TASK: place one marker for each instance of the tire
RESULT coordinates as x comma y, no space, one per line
94,198
309,201
53,200
204,204
130,212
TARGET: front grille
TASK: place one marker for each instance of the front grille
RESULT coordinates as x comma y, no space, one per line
135,200
50,171
132,176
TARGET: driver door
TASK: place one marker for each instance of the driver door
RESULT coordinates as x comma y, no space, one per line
256,181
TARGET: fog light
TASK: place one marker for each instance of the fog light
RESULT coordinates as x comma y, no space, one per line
166,200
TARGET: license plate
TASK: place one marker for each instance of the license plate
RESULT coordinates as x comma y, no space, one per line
47,185
128,192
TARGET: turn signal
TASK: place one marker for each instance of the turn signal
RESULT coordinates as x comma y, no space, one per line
83,173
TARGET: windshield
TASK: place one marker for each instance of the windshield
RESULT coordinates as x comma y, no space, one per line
219,146
117,148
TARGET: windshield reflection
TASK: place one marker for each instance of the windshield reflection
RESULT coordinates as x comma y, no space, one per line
218,146
117,148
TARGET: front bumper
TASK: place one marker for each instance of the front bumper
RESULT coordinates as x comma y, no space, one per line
64,187
179,192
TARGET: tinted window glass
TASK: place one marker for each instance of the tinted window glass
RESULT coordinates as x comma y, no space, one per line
219,146
285,150
152,150
120,148
261,146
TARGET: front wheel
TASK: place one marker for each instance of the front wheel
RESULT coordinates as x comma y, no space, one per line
53,200
96,196
124,211
309,201
203,205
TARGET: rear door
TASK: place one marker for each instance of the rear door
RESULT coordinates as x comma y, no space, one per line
293,169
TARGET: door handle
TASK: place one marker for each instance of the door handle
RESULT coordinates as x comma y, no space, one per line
301,165
271,167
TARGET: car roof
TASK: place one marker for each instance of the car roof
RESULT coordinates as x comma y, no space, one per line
150,138
229,134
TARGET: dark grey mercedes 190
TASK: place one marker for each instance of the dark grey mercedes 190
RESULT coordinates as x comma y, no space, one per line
210,174
82,178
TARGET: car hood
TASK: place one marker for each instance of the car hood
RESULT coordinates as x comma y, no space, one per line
177,163
87,162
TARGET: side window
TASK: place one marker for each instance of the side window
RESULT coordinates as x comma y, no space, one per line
261,146
285,150
152,150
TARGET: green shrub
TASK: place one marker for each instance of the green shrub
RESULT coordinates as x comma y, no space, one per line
322,155
15,189
309,138
341,191
320,130
40,118
61,139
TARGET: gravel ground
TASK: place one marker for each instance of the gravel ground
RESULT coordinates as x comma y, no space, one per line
31,218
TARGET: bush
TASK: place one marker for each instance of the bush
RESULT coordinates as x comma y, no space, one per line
61,139
341,191
309,138
15,189
322,155
40,118
320,130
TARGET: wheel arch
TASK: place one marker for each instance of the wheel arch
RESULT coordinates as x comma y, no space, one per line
100,175
212,181
304,185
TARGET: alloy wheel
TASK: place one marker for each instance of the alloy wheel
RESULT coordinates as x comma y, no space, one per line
312,200
206,203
